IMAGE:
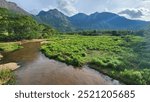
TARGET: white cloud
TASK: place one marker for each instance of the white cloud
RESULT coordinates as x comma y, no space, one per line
66,6
70,7
138,14
133,13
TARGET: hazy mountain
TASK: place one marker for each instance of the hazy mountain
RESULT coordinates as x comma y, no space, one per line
56,19
12,6
106,20
95,21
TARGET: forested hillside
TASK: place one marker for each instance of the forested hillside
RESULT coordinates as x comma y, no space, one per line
15,26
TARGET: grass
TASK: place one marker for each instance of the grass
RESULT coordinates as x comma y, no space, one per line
6,76
115,56
6,47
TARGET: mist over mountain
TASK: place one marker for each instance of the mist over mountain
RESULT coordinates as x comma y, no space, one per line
95,21
12,6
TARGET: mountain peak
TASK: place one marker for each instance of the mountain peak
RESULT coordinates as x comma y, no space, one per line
53,12
56,19
81,15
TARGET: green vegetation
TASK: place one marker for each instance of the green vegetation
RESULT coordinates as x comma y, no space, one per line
108,32
6,76
116,56
123,55
17,27
6,47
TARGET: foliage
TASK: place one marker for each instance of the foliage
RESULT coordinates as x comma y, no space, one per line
117,56
108,32
9,46
108,49
132,76
6,76
17,27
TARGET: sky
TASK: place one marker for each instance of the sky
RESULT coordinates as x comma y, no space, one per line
132,9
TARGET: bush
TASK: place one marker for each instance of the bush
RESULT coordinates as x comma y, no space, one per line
6,76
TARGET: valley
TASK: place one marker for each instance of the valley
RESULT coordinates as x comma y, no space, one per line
51,48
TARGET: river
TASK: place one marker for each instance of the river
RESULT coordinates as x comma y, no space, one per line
36,69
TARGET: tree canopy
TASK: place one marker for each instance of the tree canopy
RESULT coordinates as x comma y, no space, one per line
17,27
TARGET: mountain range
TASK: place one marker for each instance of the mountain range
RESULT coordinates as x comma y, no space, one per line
80,21
95,21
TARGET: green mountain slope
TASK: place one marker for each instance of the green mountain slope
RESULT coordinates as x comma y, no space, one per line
17,27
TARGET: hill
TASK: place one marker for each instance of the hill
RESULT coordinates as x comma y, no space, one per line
12,6
17,27
56,19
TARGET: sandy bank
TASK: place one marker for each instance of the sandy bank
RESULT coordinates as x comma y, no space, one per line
33,40
11,66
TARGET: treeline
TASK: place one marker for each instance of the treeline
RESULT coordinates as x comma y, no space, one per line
108,32
18,27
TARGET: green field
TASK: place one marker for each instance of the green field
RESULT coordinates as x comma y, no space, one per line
116,56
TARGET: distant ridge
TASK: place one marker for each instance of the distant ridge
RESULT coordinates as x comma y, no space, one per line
95,21
106,21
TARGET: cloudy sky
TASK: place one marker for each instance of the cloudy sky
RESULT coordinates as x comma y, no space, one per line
133,9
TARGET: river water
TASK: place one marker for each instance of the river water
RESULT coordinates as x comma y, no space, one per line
36,69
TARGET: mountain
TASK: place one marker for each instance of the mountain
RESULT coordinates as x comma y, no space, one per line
106,21
56,19
12,6
95,21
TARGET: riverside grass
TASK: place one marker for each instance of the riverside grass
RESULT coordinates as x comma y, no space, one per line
9,46
115,56
6,77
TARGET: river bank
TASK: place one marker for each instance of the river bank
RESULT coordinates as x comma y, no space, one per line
6,69
36,68
111,55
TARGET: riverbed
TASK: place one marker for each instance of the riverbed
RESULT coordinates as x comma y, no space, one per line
36,69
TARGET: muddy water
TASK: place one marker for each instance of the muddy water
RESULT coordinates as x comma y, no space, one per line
38,69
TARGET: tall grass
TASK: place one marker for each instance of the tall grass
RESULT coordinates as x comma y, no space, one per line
6,76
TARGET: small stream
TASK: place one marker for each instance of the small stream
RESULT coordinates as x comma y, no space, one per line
36,69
